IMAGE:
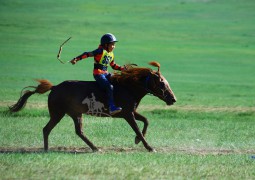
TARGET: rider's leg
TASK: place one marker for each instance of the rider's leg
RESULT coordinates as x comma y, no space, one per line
106,85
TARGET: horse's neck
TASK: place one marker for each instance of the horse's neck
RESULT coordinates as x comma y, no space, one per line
137,90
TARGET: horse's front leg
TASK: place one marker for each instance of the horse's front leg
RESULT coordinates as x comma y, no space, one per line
130,118
139,117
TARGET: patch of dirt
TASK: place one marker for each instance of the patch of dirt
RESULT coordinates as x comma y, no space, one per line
69,150
207,151
196,108
73,150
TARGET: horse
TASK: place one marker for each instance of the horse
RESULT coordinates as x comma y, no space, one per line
130,86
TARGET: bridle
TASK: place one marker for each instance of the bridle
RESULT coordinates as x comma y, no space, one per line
150,92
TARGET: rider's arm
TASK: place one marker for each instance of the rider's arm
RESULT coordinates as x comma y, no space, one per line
116,66
84,55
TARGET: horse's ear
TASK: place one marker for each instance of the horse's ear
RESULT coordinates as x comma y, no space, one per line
155,64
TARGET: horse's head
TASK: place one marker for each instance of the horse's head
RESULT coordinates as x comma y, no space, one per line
153,82
86,101
157,85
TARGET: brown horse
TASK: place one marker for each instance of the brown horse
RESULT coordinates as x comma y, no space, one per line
71,97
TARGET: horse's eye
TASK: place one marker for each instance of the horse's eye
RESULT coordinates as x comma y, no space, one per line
162,85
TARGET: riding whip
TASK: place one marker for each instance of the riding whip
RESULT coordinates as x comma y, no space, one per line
60,50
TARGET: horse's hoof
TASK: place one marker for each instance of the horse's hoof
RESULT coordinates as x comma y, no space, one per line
137,140
152,150
96,150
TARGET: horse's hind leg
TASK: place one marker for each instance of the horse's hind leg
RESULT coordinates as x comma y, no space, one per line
78,129
54,120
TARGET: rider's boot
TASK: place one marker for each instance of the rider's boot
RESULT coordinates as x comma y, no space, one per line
114,110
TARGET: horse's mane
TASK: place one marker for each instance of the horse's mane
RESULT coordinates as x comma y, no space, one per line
132,73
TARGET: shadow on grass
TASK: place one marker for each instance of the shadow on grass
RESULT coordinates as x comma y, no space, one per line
41,150
68,150
86,150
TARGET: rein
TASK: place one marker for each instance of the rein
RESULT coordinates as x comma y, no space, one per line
147,87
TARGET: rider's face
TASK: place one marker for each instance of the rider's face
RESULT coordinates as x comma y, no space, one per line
111,46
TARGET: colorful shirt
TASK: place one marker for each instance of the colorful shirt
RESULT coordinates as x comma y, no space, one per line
102,59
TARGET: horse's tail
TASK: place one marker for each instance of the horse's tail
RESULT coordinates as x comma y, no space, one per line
43,87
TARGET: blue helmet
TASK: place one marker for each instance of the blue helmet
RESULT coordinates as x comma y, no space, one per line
108,38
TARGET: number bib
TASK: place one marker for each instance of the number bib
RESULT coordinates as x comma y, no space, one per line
106,58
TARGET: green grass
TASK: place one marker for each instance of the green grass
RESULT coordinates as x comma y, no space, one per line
206,49
128,166
173,129
190,145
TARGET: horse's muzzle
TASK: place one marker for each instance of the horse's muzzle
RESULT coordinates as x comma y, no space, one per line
169,103
170,100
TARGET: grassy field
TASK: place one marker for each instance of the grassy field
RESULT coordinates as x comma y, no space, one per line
206,49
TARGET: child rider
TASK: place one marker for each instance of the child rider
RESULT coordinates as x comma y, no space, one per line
103,56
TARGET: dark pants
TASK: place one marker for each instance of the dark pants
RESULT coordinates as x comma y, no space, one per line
102,80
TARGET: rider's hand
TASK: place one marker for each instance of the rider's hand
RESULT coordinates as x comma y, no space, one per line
124,68
73,61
